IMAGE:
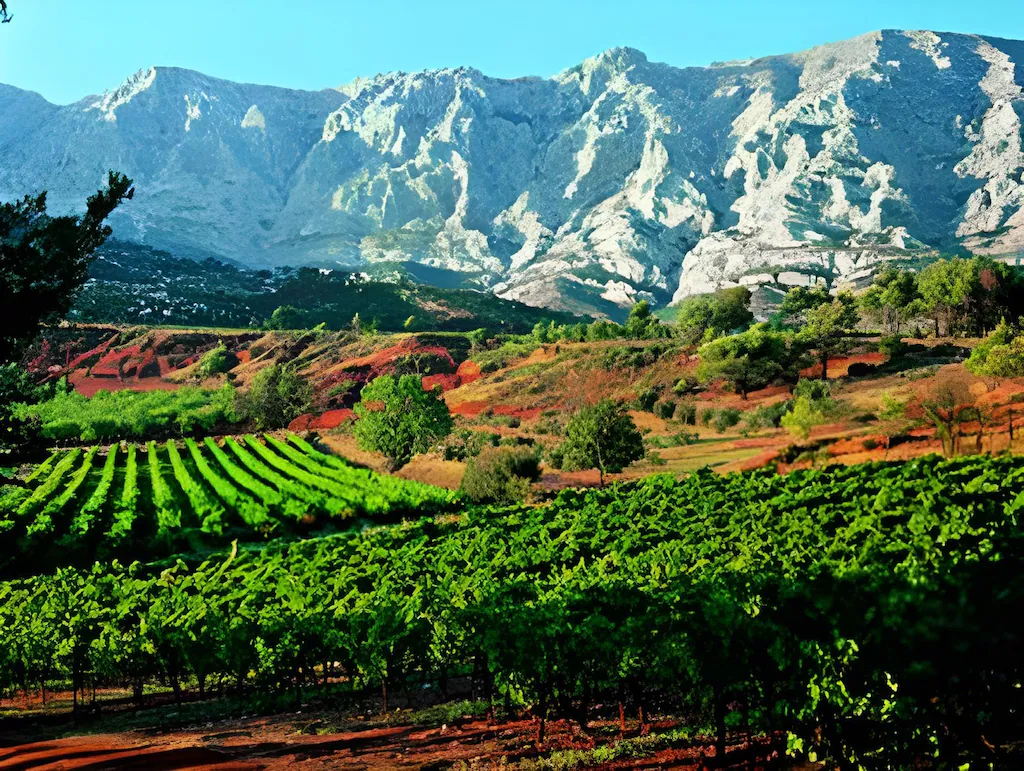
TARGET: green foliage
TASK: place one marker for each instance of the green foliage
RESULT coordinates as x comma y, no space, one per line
501,475
686,413
465,443
75,509
398,419
603,437
504,355
893,299
861,598
665,409
801,299
825,328
642,324
804,415
19,431
216,361
768,415
1000,355
68,415
704,317
646,399
893,346
44,260
721,418
750,360
276,396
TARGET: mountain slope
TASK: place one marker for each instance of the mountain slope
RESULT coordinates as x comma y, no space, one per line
616,179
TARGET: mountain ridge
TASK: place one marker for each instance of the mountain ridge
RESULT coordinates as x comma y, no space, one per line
613,180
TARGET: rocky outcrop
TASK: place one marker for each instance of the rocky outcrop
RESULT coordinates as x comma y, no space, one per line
617,179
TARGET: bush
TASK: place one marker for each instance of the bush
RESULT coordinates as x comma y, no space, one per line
767,416
465,443
893,346
501,475
725,418
685,385
276,396
815,390
216,361
646,399
665,410
686,413
603,437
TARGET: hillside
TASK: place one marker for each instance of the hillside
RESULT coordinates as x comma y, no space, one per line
524,392
132,284
616,179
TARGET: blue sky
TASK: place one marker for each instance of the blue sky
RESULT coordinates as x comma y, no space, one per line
67,49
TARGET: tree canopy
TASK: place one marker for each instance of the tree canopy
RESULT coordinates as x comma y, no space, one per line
708,315
750,360
399,419
44,260
825,328
604,437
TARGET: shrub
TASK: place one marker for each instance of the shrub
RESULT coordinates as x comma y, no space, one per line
465,443
665,410
802,418
501,475
768,416
686,413
216,361
893,346
646,399
685,385
725,418
276,396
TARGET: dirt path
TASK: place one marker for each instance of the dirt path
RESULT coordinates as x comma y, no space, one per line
289,741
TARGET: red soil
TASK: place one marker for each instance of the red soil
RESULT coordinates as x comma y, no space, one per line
329,419
468,372
279,743
474,408
90,386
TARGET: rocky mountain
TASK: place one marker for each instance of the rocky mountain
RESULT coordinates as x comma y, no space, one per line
617,179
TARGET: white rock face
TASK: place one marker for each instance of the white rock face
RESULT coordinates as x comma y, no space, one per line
614,180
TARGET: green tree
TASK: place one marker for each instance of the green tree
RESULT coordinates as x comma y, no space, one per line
801,299
642,324
604,437
44,260
1000,355
946,287
750,360
398,419
826,326
501,475
286,317
276,396
893,298
710,315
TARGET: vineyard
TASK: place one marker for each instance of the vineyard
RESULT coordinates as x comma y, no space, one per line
846,613
161,498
